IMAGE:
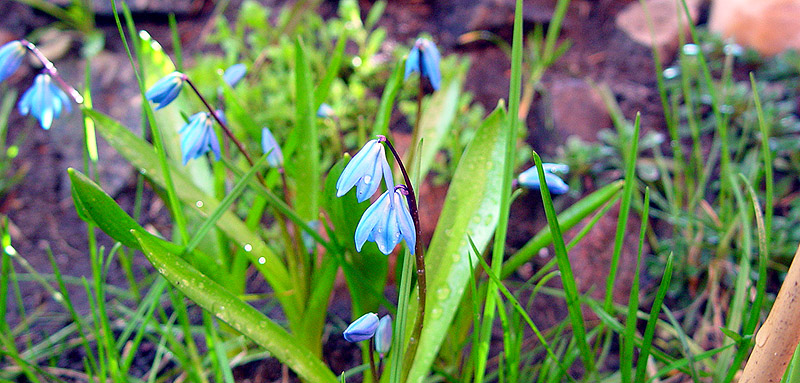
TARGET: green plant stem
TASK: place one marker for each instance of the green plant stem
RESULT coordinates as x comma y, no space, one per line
419,255
51,69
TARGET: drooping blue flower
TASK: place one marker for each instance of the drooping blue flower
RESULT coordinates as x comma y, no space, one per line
269,145
234,74
198,137
11,55
44,100
166,89
424,58
383,335
362,328
387,222
530,178
325,111
364,171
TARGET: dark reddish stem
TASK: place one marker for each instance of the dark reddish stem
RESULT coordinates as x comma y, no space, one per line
53,72
221,124
419,255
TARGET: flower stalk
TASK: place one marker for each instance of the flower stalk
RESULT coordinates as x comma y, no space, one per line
51,69
224,126
419,257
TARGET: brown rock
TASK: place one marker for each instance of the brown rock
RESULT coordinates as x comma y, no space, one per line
768,26
633,20
578,109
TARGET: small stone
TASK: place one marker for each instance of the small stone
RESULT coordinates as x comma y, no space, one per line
633,20
578,109
768,26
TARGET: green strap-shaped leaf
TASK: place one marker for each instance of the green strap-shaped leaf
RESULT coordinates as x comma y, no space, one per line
141,155
235,312
470,210
438,117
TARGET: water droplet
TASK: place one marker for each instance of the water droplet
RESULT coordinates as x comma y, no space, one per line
262,260
199,204
691,49
221,308
448,232
248,247
456,257
367,179
671,73
143,171
436,313
58,297
442,293
10,250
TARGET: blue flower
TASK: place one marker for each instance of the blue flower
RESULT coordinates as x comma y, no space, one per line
234,74
364,171
530,178
387,221
11,55
166,89
383,335
424,58
198,137
325,111
269,145
44,100
362,328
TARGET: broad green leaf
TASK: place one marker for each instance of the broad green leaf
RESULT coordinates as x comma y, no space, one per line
304,151
438,117
470,210
235,312
141,155
92,203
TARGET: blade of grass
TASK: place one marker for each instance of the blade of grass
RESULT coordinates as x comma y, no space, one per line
650,328
518,307
567,278
627,338
568,219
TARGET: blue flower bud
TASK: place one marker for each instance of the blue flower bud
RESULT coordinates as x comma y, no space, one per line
383,335
198,137
234,74
269,145
424,58
44,100
387,222
166,89
530,178
11,55
362,328
364,171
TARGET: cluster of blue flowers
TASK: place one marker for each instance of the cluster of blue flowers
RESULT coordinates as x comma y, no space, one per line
387,221
368,326
44,100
